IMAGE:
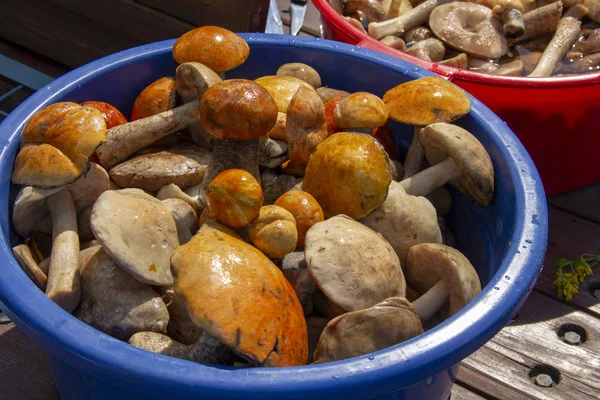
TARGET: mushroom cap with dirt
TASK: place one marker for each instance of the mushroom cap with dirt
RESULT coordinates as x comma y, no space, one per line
218,48
237,295
57,143
348,173
138,232
360,332
354,266
441,274
404,221
470,28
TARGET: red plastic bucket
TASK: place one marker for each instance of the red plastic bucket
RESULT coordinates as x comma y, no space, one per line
557,119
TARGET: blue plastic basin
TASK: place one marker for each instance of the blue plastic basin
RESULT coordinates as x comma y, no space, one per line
505,241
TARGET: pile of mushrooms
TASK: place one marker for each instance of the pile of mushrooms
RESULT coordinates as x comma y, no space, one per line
502,37
250,223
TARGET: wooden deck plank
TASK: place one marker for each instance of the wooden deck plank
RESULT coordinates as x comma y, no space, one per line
31,59
569,236
461,393
482,383
583,202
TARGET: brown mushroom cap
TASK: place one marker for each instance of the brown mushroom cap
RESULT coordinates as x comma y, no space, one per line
138,232
157,97
282,88
443,140
348,173
354,266
183,166
361,110
274,231
470,28
301,71
385,324
57,143
30,212
426,100
236,294
237,109
428,263
218,48
404,220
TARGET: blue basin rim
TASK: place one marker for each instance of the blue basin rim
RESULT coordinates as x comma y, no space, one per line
401,365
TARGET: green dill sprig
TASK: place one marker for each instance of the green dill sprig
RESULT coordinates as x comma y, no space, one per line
570,273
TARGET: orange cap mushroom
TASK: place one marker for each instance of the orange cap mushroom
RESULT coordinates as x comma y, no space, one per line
111,114
157,97
305,209
274,231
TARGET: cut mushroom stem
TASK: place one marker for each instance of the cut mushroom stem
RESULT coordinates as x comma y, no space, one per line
540,21
64,284
126,139
513,24
414,157
413,18
567,33
431,178
25,259
430,302
577,11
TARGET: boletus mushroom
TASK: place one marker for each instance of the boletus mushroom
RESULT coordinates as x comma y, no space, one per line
274,231
238,296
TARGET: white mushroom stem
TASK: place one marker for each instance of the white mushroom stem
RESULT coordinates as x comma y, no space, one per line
432,178
413,18
513,24
414,157
540,21
64,284
430,302
567,33
126,139
25,259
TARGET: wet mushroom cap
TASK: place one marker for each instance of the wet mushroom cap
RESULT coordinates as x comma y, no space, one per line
470,28
426,100
356,333
274,231
57,143
428,263
348,173
443,140
111,114
138,232
282,88
236,294
305,209
301,71
235,198
157,97
237,109
354,266
218,48
361,110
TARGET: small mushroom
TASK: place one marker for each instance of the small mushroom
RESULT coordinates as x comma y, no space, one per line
301,71
404,221
237,295
235,198
565,36
185,218
157,97
274,231
589,43
238,112
469,28
361,110
293,266
394,42
114,302
417,34
112,116
354,266
183,166
216,48
411,19
459,61
510,12
282,88
442,274
432,99
360,332
348,173
138,232
305,128
305,209
429,50
27,262
540,21
457,157
326,93
371,8
207,350
278,131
